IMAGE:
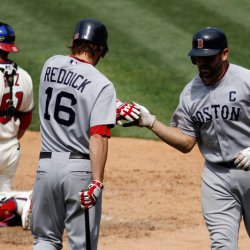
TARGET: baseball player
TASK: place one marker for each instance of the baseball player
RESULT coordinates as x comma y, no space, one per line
77,109
15,206
214,112
16,105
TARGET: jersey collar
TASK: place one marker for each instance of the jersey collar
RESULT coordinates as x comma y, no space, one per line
81,60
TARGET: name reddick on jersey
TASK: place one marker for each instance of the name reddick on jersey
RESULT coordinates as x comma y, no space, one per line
67,77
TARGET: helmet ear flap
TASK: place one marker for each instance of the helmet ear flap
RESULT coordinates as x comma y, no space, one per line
193,60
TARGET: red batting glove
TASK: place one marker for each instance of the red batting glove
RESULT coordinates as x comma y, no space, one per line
90,196
126,111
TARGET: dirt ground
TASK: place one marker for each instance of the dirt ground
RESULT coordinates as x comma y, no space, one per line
151,198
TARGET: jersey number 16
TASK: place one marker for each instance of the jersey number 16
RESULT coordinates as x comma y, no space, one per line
59,108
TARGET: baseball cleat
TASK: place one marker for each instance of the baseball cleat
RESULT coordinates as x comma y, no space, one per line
26,214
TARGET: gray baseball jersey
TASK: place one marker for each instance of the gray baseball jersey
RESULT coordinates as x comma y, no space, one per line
73,97
219,117
83,100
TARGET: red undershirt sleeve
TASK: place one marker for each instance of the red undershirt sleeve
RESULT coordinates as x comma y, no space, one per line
103,130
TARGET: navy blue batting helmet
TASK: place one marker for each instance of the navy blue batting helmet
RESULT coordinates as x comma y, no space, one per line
93,31
7,38
208,42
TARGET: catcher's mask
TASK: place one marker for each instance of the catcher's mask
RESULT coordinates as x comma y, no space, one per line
207,42
7,38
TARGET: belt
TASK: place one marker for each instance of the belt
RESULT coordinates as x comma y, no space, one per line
73,155
226,164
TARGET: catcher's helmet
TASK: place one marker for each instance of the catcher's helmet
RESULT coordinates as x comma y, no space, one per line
93,31
208,42
7,38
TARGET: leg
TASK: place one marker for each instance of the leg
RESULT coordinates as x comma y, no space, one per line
221,210
246,215
75,220
76,228
47,208
42,245
243,187
9,160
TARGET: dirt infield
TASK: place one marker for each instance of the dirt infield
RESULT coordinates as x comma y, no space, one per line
151,198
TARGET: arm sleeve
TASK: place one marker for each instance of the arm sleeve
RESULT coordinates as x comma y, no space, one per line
182,119
104,109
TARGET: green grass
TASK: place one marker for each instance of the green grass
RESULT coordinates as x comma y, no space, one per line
148,40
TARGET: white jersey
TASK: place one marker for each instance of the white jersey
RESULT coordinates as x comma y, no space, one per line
218,116
22,99
82,98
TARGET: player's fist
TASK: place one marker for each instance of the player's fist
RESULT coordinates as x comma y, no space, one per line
242,159
146,118
126,111
90,196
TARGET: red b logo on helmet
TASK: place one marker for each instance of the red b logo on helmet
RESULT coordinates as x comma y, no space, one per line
199,43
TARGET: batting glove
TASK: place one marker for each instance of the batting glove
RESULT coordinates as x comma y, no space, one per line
126,111
146,119
242,160
90,196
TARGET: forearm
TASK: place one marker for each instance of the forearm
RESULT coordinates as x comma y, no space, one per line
98,151
20,133
173,137
25,120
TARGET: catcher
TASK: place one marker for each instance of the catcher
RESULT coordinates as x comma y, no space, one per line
16,107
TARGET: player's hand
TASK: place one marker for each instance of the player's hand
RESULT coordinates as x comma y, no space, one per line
90,196
128,112
146,118
242,159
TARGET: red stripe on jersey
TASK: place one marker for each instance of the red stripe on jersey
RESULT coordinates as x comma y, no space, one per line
103,130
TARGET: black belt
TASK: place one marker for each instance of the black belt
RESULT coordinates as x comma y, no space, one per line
226,164
73,155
